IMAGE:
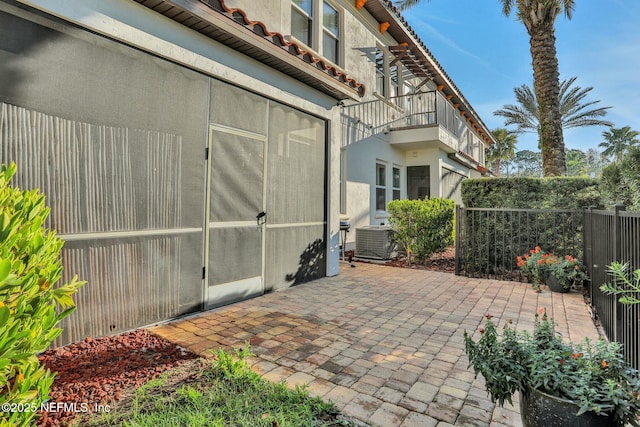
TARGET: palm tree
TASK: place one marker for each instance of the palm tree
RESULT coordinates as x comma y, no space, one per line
573,111
618,142
503,149
539,17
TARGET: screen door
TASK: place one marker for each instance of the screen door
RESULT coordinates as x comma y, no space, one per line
237,215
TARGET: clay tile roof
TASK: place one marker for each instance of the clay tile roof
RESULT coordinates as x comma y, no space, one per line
259,28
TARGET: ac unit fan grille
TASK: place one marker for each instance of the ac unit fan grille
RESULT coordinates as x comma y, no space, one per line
374,242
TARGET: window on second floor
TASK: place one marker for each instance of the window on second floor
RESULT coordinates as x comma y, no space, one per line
389,78
317,24
302,20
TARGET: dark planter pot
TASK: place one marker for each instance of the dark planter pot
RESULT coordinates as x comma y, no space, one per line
555,285
539,409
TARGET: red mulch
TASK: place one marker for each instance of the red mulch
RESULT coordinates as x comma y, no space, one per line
97,371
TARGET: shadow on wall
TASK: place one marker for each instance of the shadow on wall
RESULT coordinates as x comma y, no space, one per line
311,265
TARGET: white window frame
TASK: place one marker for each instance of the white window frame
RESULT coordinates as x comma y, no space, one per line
396,189
319,31
381,185
390,88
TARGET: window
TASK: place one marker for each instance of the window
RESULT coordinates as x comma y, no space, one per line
381,73
302,20
330,33
396,183
418,182
381,187
317,24
389,74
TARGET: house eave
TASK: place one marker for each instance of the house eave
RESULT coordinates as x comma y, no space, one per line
231,28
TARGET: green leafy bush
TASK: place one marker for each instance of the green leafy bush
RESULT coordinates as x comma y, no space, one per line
31,304
620,182
422,227
530,193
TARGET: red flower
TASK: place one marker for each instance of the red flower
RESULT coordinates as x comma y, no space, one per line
576,355
481,330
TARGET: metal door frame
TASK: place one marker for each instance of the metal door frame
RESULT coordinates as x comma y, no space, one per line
208,224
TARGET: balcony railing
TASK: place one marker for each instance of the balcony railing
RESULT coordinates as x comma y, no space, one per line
365,119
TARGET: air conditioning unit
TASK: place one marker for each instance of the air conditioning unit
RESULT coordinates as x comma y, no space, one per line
374,241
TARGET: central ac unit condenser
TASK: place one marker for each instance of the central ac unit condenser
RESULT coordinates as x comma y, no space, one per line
374,241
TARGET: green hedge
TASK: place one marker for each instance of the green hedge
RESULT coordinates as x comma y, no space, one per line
31,301
422,227
531,193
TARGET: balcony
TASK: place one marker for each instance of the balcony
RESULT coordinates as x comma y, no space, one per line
412,121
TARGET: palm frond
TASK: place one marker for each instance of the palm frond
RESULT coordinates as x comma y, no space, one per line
406,4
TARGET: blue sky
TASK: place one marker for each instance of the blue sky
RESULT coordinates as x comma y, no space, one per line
487,55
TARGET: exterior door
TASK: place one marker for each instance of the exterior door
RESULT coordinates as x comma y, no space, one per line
237,217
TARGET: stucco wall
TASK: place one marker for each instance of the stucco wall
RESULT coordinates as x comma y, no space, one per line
276,16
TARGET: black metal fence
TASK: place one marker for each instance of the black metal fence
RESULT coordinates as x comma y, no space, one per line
614,236
488,242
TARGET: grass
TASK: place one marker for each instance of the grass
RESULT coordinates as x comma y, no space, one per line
225,393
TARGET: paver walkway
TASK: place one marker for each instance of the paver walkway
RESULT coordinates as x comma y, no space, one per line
385,344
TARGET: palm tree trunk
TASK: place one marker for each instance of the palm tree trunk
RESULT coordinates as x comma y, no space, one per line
547,87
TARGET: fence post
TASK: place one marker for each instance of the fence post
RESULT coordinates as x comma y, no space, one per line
588,247
458,242
617,238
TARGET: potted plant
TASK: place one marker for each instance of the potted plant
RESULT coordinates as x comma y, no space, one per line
560,383
559,273
564,273
533,265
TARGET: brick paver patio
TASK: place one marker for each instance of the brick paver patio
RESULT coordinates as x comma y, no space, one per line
385,344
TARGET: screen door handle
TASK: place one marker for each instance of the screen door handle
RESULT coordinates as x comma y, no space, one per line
261,218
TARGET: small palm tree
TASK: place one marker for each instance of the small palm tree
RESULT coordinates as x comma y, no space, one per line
503,149
618,141
574,112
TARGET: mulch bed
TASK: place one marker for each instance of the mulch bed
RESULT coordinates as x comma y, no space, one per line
444,261
99,371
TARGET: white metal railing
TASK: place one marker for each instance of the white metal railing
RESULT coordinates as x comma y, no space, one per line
381,115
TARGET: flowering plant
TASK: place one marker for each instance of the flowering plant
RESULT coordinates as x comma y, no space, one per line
591,374
534,265
568,271
538,264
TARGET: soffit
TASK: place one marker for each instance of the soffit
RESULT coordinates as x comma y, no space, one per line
232,28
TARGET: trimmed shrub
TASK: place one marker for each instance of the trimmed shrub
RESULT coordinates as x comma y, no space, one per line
530,193
31,304
422,227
